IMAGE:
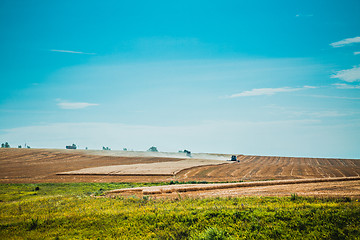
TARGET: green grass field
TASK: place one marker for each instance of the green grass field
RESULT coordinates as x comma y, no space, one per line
70,211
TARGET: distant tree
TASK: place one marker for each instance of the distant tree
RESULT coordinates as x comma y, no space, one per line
7,145
28,146
19,146
152,149
106,148
124,149
2,145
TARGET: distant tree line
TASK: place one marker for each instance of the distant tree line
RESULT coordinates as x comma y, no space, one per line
74,146
7,145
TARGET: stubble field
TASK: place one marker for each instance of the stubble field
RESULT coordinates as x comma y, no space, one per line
46,165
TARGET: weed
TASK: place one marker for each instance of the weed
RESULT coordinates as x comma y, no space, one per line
294,197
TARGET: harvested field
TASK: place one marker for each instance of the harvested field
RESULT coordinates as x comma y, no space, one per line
42,165
320,187
150,169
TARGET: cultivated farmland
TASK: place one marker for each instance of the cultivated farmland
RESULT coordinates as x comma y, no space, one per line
270,168
44,165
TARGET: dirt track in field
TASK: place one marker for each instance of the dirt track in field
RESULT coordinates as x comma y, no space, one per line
318,187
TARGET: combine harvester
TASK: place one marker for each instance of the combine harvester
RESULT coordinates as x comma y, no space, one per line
234,159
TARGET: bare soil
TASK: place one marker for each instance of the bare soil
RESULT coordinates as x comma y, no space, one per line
271,168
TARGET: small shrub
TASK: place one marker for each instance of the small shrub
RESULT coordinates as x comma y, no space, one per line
212,233
33,224
145,198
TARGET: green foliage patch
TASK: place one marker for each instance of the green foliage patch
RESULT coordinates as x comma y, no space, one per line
70,211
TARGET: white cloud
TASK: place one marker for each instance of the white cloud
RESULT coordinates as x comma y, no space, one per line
267,91
345,42
348,75
356,53
75,105
346,86
68,51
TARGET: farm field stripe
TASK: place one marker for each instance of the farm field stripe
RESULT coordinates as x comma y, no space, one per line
201,187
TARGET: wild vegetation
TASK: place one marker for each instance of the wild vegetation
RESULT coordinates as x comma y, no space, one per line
77,211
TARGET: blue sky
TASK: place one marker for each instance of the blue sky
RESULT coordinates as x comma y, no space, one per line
253,77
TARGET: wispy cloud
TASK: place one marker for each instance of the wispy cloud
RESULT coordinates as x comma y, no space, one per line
320,114
348,75
345,42
346,86
68,51
336,97
304,15
356,53
267,91
75,105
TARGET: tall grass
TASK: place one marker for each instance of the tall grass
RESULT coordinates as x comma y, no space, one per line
70,211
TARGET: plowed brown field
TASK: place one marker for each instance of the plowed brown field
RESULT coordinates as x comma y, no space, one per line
265,168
